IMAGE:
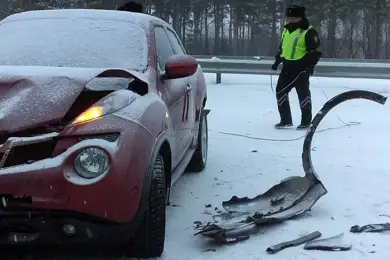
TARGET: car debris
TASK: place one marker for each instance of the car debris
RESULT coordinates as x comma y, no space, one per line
335,243
370,228
296,242
291,197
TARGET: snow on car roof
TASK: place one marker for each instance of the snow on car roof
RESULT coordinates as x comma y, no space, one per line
113,15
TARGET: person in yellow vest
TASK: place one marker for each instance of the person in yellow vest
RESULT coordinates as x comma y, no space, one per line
299,52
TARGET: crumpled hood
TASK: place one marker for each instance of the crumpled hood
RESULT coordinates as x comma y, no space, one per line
31,96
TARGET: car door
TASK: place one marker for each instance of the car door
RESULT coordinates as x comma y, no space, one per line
190,110
173,92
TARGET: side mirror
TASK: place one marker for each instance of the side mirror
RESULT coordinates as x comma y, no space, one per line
180,66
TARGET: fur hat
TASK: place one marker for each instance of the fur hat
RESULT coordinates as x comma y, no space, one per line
131,6
295,11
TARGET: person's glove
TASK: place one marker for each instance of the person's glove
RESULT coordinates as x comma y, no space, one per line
275,66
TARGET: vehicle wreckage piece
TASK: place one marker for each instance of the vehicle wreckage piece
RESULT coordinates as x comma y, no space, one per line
291,197
370,228
335,243
296,242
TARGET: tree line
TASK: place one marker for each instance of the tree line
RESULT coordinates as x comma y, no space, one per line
348,28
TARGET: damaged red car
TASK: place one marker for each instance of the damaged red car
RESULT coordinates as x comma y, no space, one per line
101,112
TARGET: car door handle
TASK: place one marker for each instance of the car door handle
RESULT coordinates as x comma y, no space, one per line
189,87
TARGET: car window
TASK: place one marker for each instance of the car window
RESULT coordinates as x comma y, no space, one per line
163,46
74,42
176,43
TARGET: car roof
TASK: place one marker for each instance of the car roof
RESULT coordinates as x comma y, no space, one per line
112,15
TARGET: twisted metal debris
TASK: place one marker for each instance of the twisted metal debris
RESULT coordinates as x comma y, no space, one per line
291,197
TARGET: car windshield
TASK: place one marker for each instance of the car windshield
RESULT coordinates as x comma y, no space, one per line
76,42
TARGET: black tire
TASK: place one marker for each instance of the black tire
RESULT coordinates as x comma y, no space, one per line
150,237
199,159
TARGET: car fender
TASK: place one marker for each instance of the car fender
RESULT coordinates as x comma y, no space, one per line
148,177
150,112
200,93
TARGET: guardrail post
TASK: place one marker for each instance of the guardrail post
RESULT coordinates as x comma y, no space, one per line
218,78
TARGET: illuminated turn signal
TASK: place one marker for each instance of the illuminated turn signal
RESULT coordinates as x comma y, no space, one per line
88,115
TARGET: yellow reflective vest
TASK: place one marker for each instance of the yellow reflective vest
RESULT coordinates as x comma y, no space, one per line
294,44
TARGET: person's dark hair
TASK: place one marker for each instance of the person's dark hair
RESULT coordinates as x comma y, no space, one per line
131,6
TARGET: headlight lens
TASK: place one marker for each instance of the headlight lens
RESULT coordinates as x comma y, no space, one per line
105,106
90,114
91,163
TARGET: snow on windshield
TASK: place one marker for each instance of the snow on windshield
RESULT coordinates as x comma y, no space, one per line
76,42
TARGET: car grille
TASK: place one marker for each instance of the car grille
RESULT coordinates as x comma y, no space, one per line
25,150
29,153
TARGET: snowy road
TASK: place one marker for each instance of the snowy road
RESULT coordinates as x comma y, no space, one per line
352,163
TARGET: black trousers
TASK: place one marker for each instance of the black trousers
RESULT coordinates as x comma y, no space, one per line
286,82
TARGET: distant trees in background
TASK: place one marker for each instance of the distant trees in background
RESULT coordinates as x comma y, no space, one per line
349,28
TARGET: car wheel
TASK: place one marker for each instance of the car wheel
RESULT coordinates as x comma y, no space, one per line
150,236
199,159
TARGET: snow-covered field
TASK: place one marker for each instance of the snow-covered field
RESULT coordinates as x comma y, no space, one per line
351,161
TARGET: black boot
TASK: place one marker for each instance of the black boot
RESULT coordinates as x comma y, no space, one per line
303,126
305,122
284,112
281,125
306,117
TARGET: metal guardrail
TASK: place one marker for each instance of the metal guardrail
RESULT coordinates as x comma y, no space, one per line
338,68
272,58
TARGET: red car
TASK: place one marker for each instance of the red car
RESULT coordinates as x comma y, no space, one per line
101,112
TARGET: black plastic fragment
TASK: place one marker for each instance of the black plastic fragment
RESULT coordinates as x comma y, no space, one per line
335,243
296,242
329,105
371,228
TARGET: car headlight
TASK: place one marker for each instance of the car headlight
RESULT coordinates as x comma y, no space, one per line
105,106
91,162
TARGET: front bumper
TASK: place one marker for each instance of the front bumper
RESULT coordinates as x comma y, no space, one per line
52,183
59,228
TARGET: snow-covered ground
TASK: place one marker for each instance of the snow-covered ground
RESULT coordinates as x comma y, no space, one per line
351,161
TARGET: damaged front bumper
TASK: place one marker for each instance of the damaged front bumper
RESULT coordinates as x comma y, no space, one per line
291,197
52,183
46,203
